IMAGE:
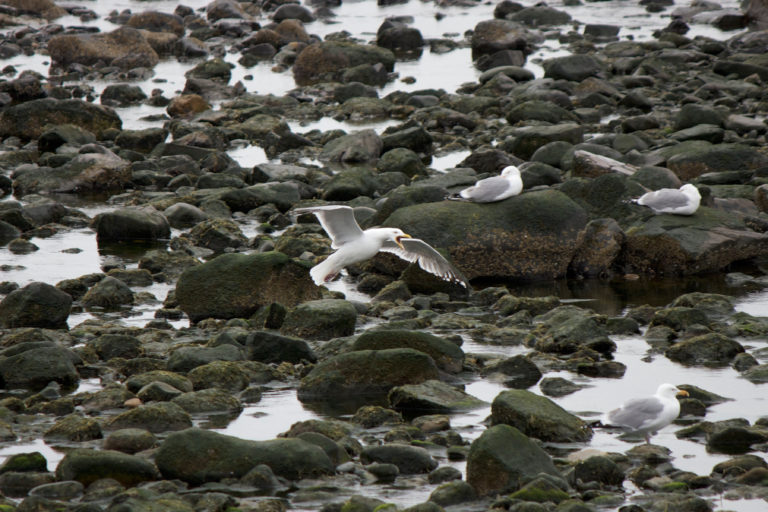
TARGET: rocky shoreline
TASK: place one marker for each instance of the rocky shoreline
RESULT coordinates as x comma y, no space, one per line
606,123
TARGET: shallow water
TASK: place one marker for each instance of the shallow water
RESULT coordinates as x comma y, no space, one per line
279,408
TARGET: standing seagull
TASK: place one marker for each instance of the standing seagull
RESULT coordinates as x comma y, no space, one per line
355,245
496,188
682,201
647,415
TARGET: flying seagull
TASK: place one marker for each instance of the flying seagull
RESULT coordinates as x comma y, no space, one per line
354,245
647,415
495,188
682,201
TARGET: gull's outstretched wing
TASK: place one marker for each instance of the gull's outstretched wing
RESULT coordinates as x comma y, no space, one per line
337,220
636,413
418,251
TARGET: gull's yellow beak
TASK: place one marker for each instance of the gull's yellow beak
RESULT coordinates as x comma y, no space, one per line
682,392
398,238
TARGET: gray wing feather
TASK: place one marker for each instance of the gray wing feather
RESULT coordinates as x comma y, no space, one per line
337,220
418,251
635,413
487,190
664,198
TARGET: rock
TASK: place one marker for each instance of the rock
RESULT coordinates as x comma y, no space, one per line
142,141
227,375
491,36
349,184
57,136
408,459
157,391
694,114
557,386
528,139
18,484
362,146
68,490
185,359
327,60
282,195
516,371
136,382
186,105
399,38
572,67
710,349
321,319
73,428
156,21
539,110
122,95
35,305
109,293
693,161
169,264
269,347
714,305
218,235
124,47
567,329
542,489
601,245
8,233
155,417
25,462
29,120
365,373
431,396
197,456
513,243
448,356
537,416
453,493
86,466
599,468
502,458
131,224
237,285
35,366
415,138
130,440
735,439
209,401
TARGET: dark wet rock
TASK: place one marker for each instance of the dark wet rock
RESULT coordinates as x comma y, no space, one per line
366,373
756,374
86,466
155,21
57,136
601,245
415,138
124,47
8,233
542,489
67,490
710,349
227,375
408,459
73,427
171,264
538,110
453,493
510,304
557,386
599,468
269,347
320,61
695,161
209,401
197,456
566,329
491,36
157,391
362,146
370,416
714,305
213,69
155,417
448,356
35,305
185,359
693,114
538,417
431,396
143,141
131,224
138,381
528,139
516,371
679,318
237,285
399,37
401,160
282,195
321,319
184,215
349,184
35,366
735,439
17,484
29,120
217,235
497,250
109,293
122,95
502,458
572,67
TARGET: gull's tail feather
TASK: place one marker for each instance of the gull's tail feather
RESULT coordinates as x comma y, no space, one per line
323,271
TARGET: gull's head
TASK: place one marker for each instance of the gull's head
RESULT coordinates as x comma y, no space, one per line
690,190
510,170
670,391
396,235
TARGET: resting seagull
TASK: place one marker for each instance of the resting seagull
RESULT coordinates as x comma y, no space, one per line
647,415
682,201
496,188
354,245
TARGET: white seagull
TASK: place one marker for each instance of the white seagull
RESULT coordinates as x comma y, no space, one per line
354,245
682,201
647,415
495,188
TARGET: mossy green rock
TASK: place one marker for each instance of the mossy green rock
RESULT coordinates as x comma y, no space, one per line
33,461
321,319
711,349
35,368
366,373
185,359
74,427
154,417
448,356
209,401
432,396
538,416
408,459
86,466
138,381
197,456
237,285
540,490
502,458
531,236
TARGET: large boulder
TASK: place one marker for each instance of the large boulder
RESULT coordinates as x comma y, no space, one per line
702,158
502,459
237,285
87,172
711,349
326,60
366,373
35,305
408,459
29,120
131,224
538,416
531,236
448,356
432,396
492,36
124,47
86,466
36,367
706,241
321,319
197,456
362,146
